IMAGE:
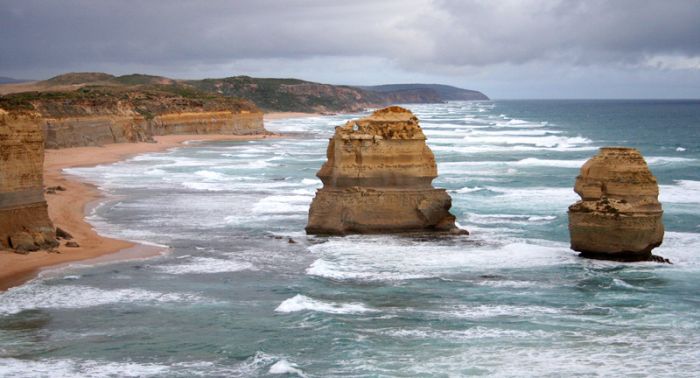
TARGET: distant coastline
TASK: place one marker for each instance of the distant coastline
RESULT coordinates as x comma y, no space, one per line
268,94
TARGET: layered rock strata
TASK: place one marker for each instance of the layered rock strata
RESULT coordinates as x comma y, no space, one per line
24,221
378,179
129,128
619,216
102,115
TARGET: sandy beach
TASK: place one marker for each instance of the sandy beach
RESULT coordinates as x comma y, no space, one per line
284,115
67,209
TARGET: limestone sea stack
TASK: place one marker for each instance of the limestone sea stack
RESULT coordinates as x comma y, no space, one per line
378,179
24,220
619,215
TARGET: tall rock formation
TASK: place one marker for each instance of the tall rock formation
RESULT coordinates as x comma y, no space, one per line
619,215
378,179
24,220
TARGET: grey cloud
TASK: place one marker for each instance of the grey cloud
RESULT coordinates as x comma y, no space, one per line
577,31
40,33
409,39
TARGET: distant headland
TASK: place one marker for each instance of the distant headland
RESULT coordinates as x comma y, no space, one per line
269,94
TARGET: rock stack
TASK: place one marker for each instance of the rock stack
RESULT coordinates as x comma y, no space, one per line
378,179
24,220
619,215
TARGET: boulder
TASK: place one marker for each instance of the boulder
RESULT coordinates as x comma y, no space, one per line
23,242
378,179
63,234
619,216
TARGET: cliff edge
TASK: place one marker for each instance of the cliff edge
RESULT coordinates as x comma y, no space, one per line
98,115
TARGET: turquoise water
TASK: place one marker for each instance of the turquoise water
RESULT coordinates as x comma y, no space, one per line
235,298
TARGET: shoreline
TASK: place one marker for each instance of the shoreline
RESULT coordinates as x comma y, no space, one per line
284,115
69,209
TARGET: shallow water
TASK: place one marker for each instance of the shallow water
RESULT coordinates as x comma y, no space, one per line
236,298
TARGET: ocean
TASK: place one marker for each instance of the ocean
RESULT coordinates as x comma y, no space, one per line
245,292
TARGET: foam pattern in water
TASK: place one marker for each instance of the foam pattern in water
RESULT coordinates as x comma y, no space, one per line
245,292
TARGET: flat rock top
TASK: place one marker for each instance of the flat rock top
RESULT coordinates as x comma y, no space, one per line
393,122
392,114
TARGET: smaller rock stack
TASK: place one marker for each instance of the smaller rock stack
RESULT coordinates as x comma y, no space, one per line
378,179
619,215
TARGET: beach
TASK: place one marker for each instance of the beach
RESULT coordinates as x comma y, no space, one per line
68,208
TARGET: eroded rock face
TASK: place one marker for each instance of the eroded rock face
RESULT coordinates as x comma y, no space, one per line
378,179
103,115
24,221
97,130
619,215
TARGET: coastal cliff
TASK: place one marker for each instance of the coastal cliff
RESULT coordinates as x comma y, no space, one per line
378,178
94,116
24,221
619,216
269,94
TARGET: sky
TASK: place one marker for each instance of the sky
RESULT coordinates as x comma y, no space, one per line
504,48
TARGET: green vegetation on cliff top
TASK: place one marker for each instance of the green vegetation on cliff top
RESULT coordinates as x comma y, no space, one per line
267,93
148,100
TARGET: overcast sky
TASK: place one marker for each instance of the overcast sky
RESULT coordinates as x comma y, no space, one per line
505,48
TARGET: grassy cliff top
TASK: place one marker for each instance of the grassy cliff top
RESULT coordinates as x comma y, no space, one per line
148,100
269,94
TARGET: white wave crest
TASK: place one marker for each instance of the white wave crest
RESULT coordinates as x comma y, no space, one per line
685,191
389,258
285,367
549,163
282,204
38,295
509,218
211,175
206,265
303,303
467,189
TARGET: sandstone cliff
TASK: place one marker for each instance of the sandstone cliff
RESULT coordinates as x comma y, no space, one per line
24,220
93,116
378,179
619,215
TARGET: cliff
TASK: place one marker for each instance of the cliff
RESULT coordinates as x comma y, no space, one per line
378,179
619,216
24,221
299,95
267,93
440,91
97,115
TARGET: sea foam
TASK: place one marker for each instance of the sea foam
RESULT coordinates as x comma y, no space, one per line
205,265
303,303
39,295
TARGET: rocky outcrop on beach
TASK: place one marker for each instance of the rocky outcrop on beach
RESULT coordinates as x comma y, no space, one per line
378,179
24,221
94,116
619,215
